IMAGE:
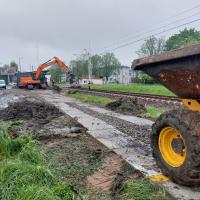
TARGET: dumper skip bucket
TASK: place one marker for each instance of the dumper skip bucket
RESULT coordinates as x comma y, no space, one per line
178,70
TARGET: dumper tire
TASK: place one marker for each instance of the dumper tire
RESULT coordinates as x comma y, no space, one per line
187,123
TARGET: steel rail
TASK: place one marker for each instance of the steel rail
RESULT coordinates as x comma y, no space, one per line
128,94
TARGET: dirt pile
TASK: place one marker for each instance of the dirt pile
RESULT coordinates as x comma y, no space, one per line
127,106
30,108
42,119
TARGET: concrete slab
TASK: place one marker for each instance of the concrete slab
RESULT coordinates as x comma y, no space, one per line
89,122
92,123
106,134
118,140
129,118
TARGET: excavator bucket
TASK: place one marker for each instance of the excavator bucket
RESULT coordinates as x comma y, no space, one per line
178,70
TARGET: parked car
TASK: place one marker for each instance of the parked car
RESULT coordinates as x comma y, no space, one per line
2,84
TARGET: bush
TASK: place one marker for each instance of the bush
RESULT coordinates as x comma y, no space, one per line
145,78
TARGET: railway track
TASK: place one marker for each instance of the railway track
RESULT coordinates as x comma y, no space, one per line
151,97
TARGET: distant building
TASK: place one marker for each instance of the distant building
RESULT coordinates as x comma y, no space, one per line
48,77
8,74
63,78
93,80
122,75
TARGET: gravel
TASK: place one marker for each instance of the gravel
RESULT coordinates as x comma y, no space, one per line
140,134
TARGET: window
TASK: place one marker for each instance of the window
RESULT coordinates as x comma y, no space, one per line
2,82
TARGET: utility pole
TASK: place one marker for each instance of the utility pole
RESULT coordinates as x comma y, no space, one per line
89,66
90,62
8,77
20,67
37,54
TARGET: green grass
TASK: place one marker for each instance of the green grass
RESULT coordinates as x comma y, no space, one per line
135,87
153,112
73,170
142,190
91,99
24,172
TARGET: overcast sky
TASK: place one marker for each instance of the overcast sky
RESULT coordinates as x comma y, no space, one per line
37,30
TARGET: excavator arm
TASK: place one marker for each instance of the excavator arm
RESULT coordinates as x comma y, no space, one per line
55,60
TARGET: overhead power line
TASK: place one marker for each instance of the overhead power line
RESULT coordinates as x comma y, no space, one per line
185,11
156,24
164,31
157,29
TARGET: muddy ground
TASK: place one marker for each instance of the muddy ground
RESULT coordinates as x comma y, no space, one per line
127,106
72,153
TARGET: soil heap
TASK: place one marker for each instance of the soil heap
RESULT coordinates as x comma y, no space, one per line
39,115
127,106
30,108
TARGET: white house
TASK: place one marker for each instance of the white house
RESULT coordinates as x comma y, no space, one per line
48,77
122,75
93,80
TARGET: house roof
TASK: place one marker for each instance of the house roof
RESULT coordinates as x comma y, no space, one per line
10,70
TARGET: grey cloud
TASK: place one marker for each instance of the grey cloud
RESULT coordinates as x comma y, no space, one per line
65,27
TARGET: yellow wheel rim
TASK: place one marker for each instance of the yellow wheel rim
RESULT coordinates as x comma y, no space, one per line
172,147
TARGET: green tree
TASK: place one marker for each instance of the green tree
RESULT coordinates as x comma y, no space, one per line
184,38
80,64
101,65
110,64
96,63
145,78
151,46
56,73
12,64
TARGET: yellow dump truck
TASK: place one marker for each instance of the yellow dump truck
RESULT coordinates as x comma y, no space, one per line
175,136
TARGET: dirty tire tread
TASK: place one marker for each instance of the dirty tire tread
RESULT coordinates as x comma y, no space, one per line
188,123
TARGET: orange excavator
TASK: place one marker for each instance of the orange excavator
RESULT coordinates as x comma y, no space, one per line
37,79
